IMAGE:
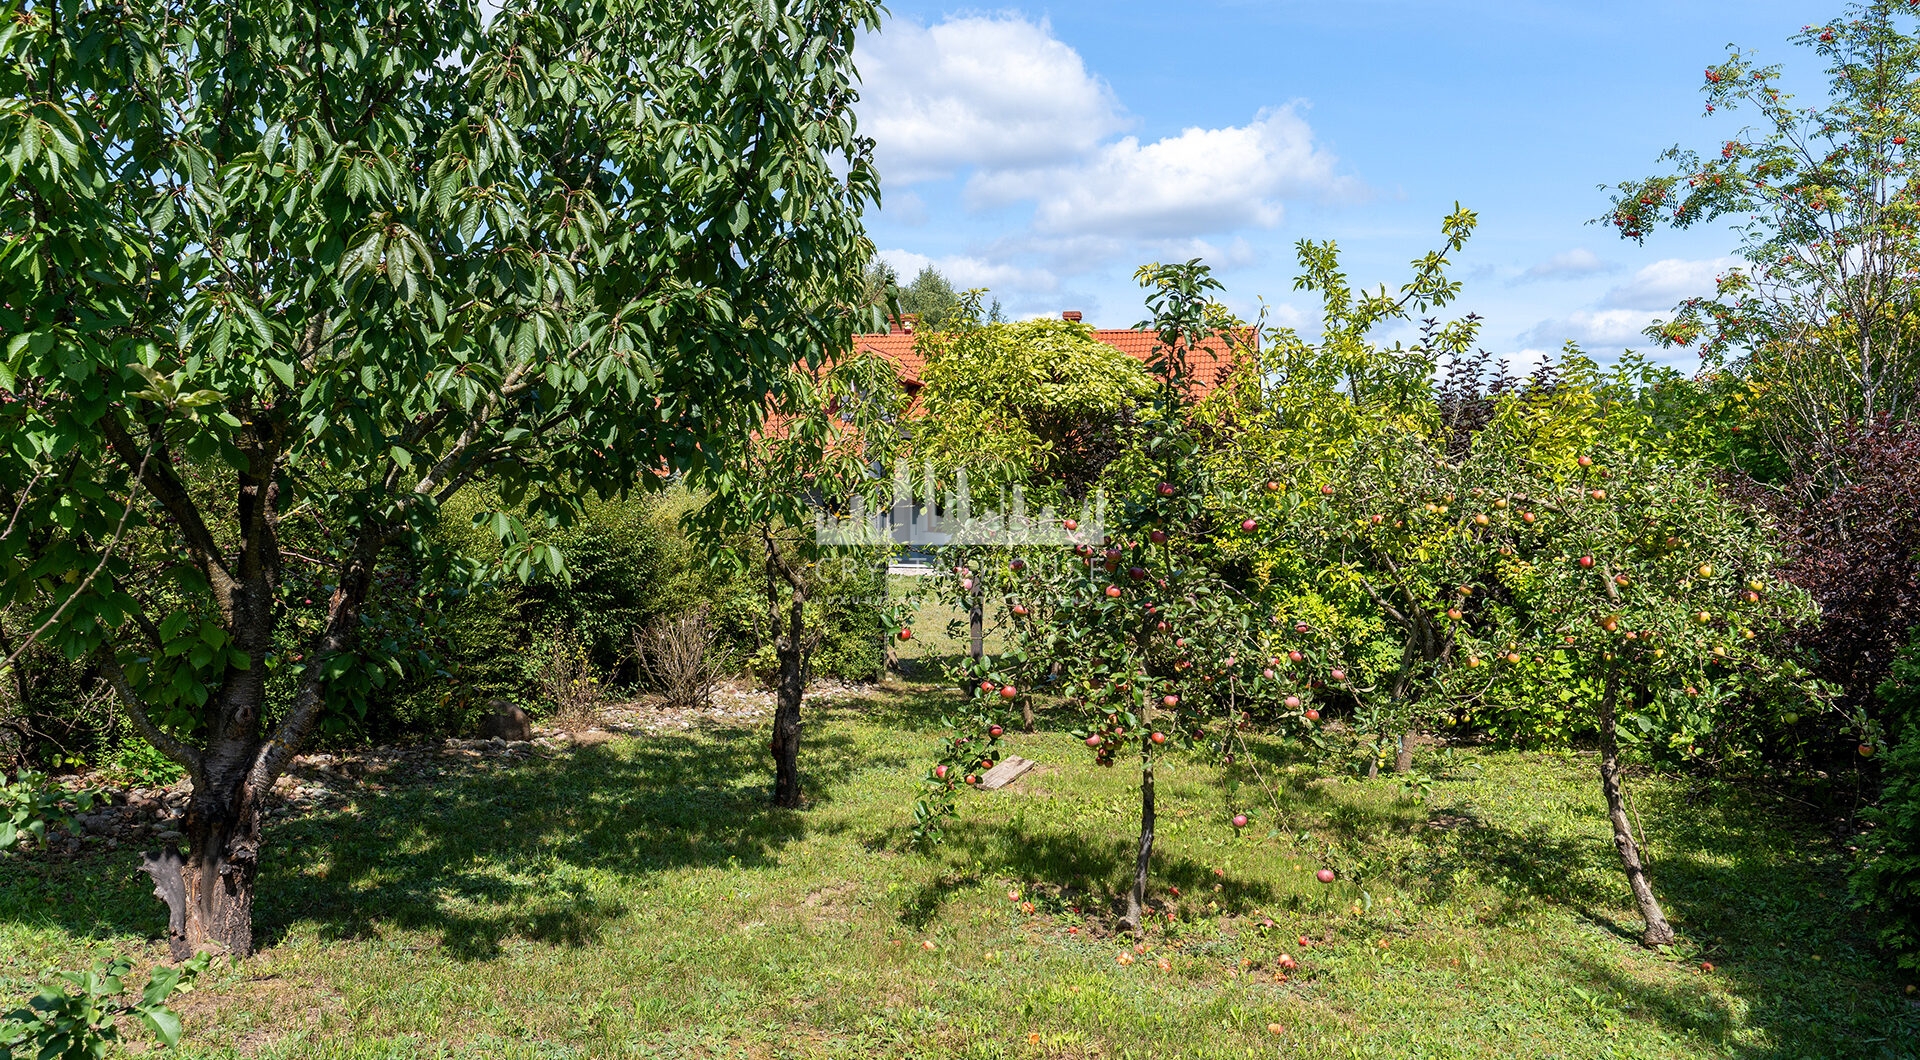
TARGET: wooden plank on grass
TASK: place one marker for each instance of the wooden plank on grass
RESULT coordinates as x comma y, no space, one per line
1010,769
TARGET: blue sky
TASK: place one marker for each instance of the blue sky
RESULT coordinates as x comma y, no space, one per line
1045,151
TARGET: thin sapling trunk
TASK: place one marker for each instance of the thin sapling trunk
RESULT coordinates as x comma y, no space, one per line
1658,931
1137,897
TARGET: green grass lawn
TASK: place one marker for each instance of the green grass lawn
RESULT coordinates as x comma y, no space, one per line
639,898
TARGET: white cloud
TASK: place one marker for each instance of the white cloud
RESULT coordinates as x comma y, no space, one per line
1201,181
1603,327
1622,315
964,271
1665,283
1569,265
995,92
999,102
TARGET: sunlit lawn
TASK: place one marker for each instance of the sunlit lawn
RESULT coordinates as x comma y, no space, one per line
639,898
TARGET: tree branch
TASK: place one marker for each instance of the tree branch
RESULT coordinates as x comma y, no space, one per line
186,757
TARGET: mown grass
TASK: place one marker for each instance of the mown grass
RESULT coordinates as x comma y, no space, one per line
639,898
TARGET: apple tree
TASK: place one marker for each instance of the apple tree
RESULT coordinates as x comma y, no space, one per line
1659,597
1350,442
1145,636
272,268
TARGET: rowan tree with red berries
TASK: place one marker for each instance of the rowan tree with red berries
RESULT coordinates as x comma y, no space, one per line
1823,320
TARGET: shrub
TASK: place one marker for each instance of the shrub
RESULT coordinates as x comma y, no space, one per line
1886,879
569,686
679,658
70,1025
1852,532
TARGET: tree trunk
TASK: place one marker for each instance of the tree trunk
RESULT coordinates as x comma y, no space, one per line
791,649
886,635
1137,898
209,890
1658,932
1403,759
1026,714
977,626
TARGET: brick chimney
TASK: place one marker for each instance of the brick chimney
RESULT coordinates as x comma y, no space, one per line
904,324
1071,314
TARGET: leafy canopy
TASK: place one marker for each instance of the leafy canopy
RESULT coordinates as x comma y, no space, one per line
331,263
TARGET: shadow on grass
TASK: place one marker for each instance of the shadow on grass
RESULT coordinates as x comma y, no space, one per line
1070,870
476,857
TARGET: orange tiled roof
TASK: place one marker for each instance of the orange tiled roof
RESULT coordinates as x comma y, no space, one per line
1210,362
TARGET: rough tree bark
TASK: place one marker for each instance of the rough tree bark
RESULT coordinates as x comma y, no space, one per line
1137,897
792,649
1658,931
209,890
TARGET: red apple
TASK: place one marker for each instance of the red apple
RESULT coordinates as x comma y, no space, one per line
1158,537
1166,489
1293,702
971,779
1586,461
940,772
1070,524
1162,625
1113,590
1326,491
1094,740
1249,525
1136,573
1376,519
1020,609
1018,565
1338,674
1267,673
1586,561
1170,701
1454,613
1866,750
1158,737
1239,820
1526,517
1009,692
1295,656
1300,627
995,731
1324,875
906,634
1272,486
1313,715
1598,495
